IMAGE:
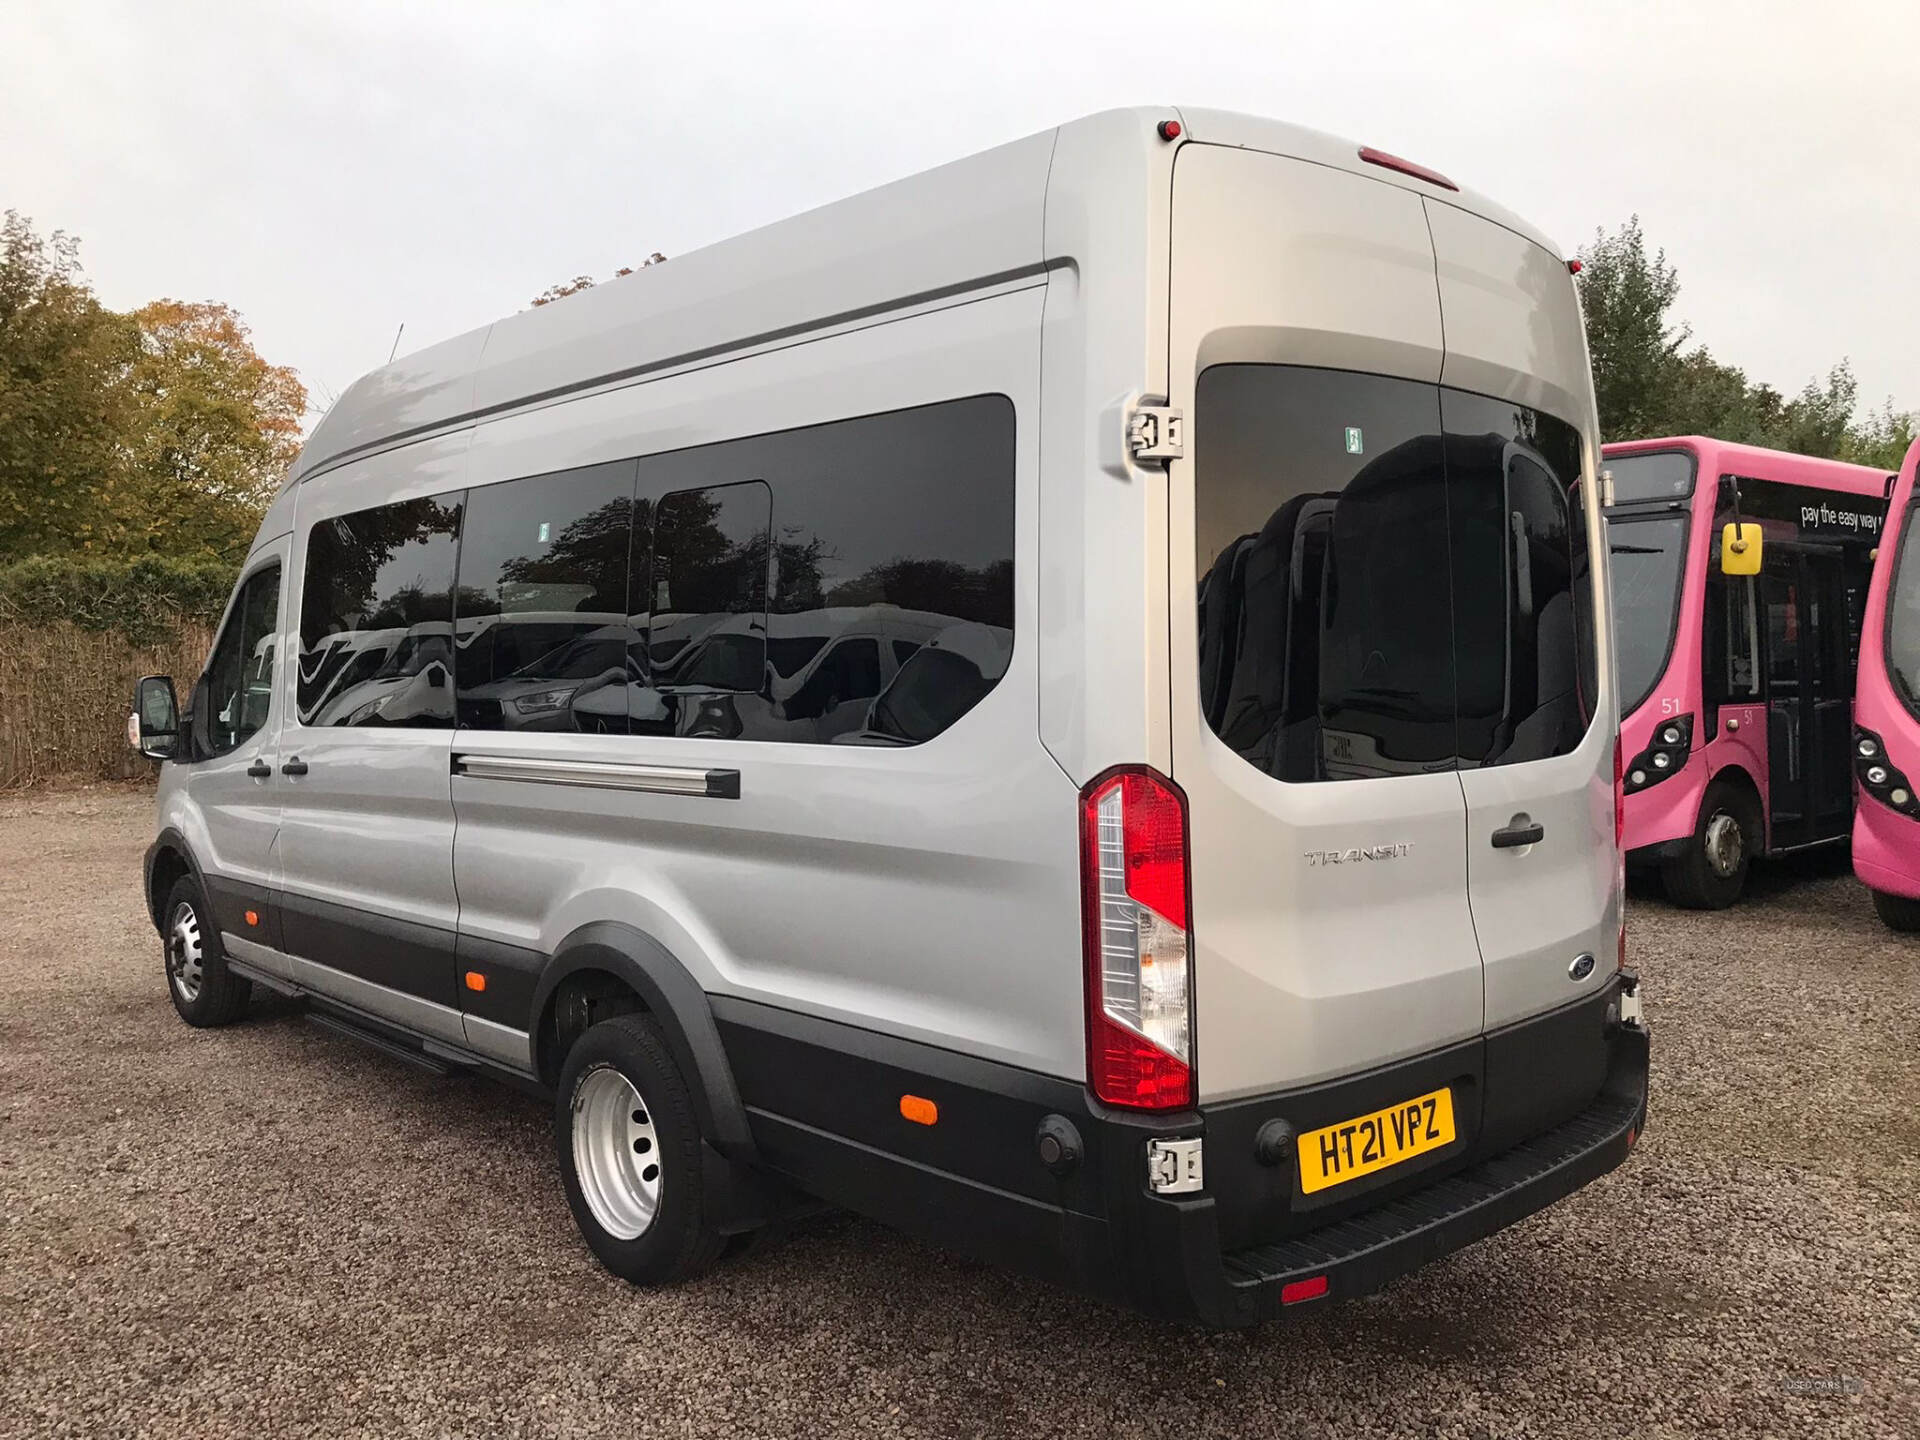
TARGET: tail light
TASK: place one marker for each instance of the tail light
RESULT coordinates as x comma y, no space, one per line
1619,793
1620,845
1133,867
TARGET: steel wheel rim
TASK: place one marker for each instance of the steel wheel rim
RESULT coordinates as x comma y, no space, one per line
186,955
1725,845
616,1153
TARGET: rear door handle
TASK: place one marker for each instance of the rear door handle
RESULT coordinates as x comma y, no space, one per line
259,770
297,766
1521,830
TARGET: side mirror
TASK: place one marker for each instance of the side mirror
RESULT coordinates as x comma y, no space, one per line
154,726
1740,546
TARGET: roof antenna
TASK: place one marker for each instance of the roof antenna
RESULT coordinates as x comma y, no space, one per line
396,342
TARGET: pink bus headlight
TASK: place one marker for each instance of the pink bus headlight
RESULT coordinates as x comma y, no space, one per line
1879,777
1666,754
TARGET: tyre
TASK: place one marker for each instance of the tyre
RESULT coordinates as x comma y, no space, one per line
1897,912
630,1154
204,991
1712,871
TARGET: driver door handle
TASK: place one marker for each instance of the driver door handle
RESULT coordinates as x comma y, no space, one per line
259,770
1521,830
295,766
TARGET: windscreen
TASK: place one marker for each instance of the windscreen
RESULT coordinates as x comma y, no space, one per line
1647,555
1667,475
1903,618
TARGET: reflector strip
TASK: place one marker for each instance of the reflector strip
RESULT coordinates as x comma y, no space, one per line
1294,1291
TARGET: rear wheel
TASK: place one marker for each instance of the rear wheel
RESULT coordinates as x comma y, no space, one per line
1897,912
203,990
630,1154
1711,872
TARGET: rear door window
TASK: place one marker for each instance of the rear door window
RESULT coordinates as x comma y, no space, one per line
1521,584
1325,609
1393,580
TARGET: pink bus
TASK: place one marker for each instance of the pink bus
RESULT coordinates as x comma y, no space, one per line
1886,717
1740,578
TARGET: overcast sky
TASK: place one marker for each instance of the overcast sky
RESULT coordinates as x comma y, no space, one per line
334,169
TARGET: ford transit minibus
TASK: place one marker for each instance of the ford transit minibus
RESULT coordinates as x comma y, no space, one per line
1114,767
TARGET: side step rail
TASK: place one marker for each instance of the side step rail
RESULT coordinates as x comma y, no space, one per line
403,1053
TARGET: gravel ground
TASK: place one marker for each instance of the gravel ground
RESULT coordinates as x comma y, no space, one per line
271,1230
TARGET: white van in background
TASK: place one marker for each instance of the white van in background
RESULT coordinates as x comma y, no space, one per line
1210,897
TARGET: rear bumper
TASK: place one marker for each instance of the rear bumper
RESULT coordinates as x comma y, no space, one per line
1543,1108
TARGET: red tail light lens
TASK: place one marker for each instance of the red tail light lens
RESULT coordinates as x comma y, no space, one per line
1620,843
1134,874
1619,794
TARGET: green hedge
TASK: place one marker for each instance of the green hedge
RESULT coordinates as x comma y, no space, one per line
146,600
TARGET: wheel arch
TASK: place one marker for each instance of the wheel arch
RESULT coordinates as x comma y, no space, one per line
168,858
610,952
1740,778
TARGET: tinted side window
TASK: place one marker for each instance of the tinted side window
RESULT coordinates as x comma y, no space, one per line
239,692
1523,621
1326,622
543,636
707,581
882,532
376,616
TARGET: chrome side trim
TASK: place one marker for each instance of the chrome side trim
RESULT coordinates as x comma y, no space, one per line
442,1031
410,1012
502,1043
252,955
602,775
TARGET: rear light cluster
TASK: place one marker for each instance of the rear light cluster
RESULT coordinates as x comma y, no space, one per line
1878,776
1139,955
1620,847
1666,755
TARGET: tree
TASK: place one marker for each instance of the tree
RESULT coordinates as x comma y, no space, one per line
1634,348
162,431
214,429
63,412
586,282
1644,384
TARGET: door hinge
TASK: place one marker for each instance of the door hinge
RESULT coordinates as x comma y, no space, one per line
1174,1167
1156,432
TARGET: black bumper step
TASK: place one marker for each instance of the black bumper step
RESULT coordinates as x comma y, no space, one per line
1364,1252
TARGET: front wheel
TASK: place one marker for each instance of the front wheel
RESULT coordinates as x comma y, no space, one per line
630,1154
1897,912
203,990
1711,872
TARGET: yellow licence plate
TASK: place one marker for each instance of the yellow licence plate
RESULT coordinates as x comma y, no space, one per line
1366,1143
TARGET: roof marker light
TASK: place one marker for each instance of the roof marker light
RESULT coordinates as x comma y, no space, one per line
1574,267
1405,167
1169,129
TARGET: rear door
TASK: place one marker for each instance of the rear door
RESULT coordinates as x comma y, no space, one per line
1314,693
1514,396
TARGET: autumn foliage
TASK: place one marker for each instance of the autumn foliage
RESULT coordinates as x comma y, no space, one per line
158,431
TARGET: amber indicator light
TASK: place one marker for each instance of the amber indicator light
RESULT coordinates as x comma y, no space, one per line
919,1109
475,980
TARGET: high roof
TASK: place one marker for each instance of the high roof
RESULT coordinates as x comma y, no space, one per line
943,231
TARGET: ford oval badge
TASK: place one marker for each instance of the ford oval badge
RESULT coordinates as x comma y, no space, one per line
1581,967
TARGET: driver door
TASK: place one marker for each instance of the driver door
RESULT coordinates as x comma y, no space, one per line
233,783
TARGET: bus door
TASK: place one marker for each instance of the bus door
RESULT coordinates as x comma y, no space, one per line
1810,639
